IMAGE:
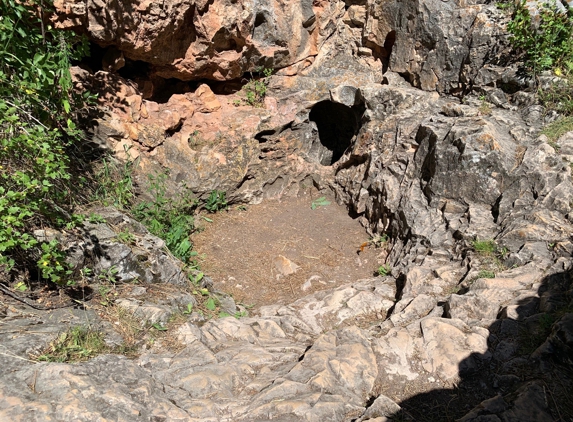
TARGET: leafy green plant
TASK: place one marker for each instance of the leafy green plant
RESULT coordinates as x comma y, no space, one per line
37,129
484,107
384,270
75,345
216,201
108,275
211,304
320,202
125,236
195,277
169,218
20,286
52,263
75,221
96,218
159,327
547,45
103,292
256,89
189,309
115,182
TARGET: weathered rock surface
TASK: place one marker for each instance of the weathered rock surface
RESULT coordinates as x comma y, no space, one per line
436,45
218,40
353,109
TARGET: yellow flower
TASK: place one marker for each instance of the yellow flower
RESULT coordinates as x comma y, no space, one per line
557,72
45,263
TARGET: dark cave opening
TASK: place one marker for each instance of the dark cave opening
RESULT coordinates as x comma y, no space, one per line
337,125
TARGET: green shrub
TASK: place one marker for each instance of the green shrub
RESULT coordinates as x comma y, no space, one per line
37,129
256,89
547,45
115,182
169,218
216,201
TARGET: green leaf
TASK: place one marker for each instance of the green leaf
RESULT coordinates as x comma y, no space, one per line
21,286
211,304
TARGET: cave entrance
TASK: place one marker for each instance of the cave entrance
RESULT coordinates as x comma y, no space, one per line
337,124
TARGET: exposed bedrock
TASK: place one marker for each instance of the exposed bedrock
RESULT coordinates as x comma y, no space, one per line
436,45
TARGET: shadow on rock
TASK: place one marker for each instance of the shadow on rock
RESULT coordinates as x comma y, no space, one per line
526,373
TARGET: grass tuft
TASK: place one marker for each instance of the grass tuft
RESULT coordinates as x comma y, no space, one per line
484,246
558,128
77,344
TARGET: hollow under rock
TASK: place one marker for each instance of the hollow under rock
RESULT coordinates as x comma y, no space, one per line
337,125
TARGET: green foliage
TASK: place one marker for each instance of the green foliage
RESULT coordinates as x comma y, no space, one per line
36,130
558,128
547,46
195,277
320,202
75,220
559,97
211,304
484,246
216,201
52,263
96,218
384,270
256,89
125,236
75,345
484,107
379,241
169,218
115,182
108,275
486,274
20,286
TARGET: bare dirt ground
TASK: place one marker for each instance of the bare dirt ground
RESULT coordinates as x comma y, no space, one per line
243,249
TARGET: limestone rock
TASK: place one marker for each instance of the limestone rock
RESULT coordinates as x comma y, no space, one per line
450,351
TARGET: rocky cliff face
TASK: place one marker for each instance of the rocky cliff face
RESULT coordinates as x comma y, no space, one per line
361,104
